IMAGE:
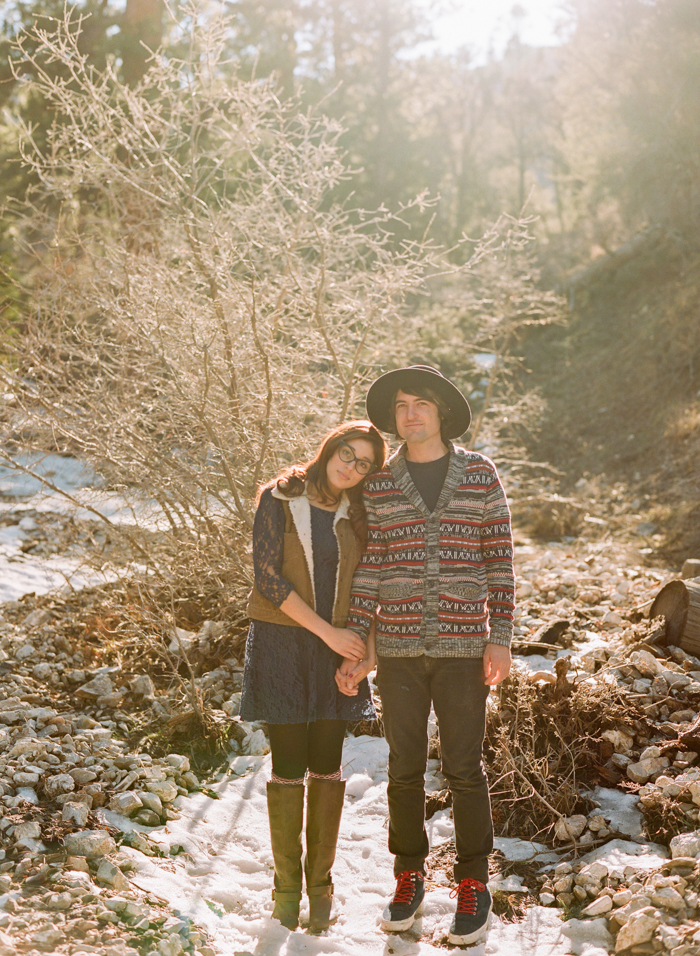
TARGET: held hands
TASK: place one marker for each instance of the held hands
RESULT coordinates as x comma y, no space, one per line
497,661
350,673
345,642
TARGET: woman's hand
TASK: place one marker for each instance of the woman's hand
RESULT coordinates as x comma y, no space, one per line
350,673
344,642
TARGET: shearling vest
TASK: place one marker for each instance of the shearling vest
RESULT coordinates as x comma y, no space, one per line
298,561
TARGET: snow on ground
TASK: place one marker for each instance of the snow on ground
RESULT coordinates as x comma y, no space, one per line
224,878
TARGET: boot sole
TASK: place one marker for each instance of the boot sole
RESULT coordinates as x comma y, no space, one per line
400,925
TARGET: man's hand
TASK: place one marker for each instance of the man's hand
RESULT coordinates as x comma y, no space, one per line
497,661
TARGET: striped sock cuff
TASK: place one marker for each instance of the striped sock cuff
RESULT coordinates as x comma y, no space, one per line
336,775
290,783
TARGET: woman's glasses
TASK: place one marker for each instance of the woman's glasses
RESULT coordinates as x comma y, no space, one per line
346,454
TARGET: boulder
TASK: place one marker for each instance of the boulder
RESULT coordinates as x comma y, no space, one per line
686,844
640,928
91,844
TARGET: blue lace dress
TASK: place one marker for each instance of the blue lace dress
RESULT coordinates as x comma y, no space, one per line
289,672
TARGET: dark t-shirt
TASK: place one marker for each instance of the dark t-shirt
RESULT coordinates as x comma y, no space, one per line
429,477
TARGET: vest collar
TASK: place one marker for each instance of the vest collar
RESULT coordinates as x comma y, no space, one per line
343,510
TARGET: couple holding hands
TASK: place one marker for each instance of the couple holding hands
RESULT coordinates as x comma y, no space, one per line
405,564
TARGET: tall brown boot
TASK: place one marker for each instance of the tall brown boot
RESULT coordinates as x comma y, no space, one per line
324,809
285,807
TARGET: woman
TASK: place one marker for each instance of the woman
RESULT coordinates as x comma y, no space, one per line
308,537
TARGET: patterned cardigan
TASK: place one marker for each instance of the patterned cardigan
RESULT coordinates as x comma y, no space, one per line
440,583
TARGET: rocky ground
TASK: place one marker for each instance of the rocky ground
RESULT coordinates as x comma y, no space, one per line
92,699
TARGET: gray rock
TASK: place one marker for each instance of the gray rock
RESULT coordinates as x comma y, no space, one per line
26,778
110,874
90,843
126,803
142,686
640,928
97,687
148,818
570,828
180,763
599,906
686,844
24,652
58,783
82,775
37,618
166,790
151,801
76,813
42,671
47,939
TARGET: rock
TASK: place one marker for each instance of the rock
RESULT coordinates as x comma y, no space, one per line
26,778
644,770
570,828
24,652
667,897
546,899
110,874
126,803
27,745
640,928
685,844
645,662
180,763
621,740
148,818
89,843
23,831
142,686
691,568
116,904
83,775
42,671
97,687
47,939
183,642
37,618
151,801
74,812
232,706
58,783
78,863
170,946
166,790
599,906
255,744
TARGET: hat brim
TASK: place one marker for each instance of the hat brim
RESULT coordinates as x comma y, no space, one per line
382,391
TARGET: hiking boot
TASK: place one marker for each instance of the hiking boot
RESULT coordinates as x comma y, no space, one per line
406,904
473,909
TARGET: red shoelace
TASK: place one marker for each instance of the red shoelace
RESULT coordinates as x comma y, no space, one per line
406,886
466,896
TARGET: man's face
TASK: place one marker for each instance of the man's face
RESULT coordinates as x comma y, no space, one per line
417,419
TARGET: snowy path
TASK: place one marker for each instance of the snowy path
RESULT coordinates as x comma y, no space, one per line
224,881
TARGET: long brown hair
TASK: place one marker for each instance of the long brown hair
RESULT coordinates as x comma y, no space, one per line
293,480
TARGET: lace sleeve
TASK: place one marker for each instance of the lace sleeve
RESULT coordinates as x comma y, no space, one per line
268,545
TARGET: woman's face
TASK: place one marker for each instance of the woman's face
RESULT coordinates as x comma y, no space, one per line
344,474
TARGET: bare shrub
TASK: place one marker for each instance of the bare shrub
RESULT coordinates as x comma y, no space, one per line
542,741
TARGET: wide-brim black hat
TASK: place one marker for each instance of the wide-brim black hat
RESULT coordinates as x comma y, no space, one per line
382,391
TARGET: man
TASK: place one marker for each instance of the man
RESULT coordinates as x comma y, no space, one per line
437,576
